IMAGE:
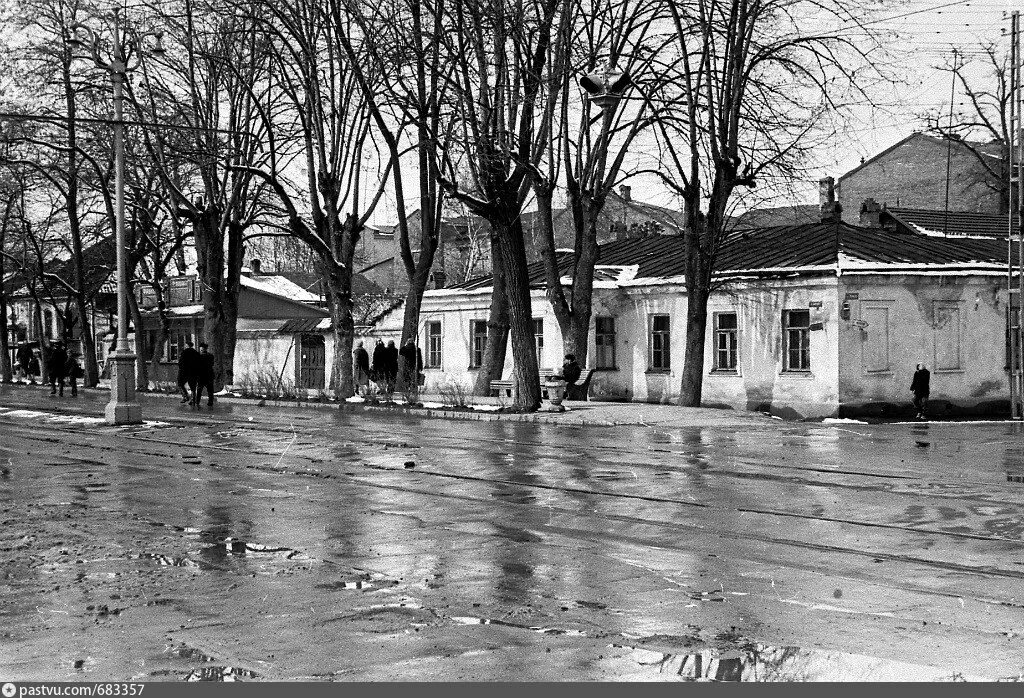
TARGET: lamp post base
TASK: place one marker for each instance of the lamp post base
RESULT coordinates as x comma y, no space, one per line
122,408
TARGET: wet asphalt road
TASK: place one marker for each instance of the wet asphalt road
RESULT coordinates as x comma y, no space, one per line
272,543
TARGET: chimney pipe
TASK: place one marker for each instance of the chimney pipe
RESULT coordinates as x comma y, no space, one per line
830,208
254,265
626,192
871,214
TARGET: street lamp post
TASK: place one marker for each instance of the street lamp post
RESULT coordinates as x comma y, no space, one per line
125,55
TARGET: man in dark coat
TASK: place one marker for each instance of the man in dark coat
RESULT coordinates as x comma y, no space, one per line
411,356
361,367
73,370
188,372
570,374
379,367
56,367
391,356
921,388
205,377
24,359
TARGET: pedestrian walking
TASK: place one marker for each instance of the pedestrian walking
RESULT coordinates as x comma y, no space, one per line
188,373
74,371
920,386
56,367
24,357
205,375
361,367
379,367
391,363
412,357
34,368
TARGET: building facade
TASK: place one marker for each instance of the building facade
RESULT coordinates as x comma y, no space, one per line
814,320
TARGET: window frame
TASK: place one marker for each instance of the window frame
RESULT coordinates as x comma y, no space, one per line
664,352
732,351
601,349
429,338
538,339
803,333
474,334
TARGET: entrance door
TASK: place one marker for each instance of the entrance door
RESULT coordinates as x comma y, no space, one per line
312,361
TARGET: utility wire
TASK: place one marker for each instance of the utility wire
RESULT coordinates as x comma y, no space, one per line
126,122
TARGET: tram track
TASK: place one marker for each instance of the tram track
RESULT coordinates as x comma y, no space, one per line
722,531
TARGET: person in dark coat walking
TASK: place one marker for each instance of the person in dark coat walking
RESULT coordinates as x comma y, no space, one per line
56,367
921,388
379,367
361,367
205,376
33,368
74,371
391,356
188,373
24,360
411,356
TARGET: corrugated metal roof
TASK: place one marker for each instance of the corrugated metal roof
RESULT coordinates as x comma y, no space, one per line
302,324
794,247
956,223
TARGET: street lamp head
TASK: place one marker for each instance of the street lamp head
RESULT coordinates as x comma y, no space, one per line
74,42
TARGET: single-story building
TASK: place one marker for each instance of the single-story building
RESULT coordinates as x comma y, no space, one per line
265,303
807,320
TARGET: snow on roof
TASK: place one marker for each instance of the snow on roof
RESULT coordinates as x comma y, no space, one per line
279,286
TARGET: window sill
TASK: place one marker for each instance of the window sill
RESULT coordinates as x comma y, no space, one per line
658,371
432,368
948,370
802,375
724,372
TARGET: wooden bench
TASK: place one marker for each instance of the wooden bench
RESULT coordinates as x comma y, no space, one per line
504,388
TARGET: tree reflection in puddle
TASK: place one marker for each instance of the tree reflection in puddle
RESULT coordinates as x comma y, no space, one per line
764,663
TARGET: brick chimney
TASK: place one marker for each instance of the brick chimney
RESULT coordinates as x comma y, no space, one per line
254,265
831,209
871,214
626,192
440,278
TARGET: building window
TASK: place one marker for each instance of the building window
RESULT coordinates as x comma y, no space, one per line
175,345
478,333
538,339
946,334
433,331
604,339
797,337
726,342
660,343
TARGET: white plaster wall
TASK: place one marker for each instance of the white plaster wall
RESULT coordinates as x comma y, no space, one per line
264,360
912,337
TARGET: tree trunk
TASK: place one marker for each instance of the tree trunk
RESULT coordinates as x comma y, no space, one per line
209,244
497,328
339,287
410,330
693,361
232,288
526,377
6,374
141,346
90,365
157,350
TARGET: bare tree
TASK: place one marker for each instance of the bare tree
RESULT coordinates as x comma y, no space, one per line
615,45
216,83
758,90
329,112
985,116
505,53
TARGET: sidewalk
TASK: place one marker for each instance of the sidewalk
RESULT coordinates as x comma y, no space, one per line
577,414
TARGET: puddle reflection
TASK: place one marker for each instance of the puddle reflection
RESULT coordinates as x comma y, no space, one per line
764,663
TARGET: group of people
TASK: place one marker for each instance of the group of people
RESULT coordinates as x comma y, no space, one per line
382,368
61,365
195,374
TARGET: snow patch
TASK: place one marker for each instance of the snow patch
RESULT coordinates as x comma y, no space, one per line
355,398
841,420
433,405
485,408
225,393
